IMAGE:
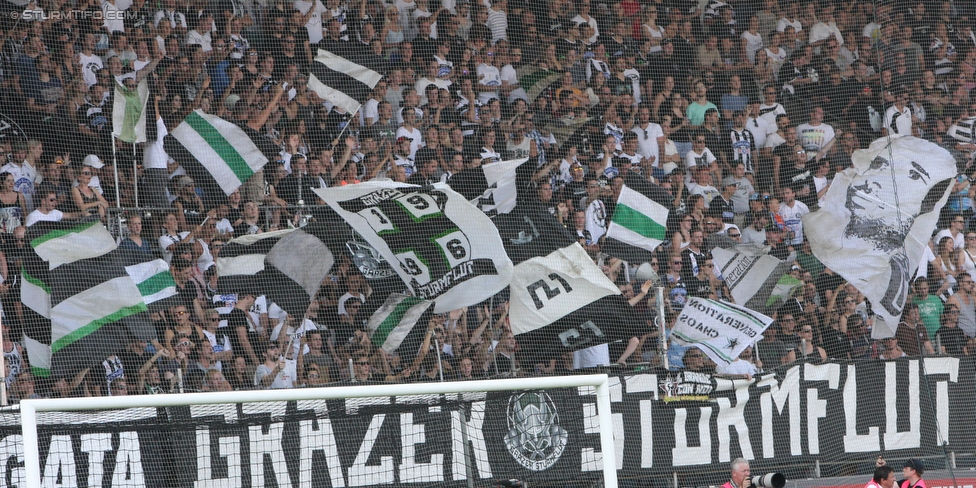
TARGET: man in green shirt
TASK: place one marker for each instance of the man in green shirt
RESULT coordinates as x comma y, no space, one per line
929,306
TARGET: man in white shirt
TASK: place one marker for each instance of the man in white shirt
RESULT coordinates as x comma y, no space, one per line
898,117
956,227
650,137
822,30
792,211
769,108
89,61
815,136
701,184
489,78
312,12
48,212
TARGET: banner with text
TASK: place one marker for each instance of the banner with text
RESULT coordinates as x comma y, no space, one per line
837,415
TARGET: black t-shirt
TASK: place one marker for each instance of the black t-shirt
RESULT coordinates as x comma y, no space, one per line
797,179
235,320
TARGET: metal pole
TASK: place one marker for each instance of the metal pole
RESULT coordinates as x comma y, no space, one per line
118,199
661,323
440,365
464,442
3,367
135,178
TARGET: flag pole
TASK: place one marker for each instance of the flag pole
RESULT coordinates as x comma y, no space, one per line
118,199
135,177
3,367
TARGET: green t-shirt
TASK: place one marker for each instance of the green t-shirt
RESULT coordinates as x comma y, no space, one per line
696,112
930,309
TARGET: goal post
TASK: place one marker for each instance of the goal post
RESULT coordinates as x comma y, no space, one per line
29,409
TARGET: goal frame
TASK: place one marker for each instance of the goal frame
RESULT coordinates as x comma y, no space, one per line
30,408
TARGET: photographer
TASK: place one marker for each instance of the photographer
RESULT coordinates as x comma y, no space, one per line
740,475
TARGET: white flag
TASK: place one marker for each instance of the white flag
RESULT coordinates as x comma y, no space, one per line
877,218
720,329
443,248
547,288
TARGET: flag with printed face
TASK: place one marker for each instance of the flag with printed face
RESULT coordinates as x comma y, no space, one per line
129,112
721,329
877,218
442,247
345,81
229,156
288,266
399,325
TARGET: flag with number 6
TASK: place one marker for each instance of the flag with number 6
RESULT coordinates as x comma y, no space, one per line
443,247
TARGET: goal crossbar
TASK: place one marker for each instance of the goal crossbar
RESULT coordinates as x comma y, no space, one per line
30,408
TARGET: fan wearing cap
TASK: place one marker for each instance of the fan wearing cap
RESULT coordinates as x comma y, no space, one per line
775,238
402,156
912,470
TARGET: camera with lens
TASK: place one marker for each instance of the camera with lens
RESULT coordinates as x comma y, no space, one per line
771,480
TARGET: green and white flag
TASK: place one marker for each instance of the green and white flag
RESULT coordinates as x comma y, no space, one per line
536,80
223,148
720,329
129,112
395,325
65,242
638,221
153,280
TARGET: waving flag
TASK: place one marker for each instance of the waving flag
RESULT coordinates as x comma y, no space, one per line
64,241
344,81
720,329
288,266
129,112
442,247
878,216
224,150
399,325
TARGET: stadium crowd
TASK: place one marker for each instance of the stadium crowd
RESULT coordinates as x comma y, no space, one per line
743,110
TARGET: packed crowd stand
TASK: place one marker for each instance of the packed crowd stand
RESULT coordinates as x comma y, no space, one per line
743,111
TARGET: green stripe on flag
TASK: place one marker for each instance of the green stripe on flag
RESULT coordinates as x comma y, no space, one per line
42,372
59,233
220,145
156,284
34,281
638,222
393,319
93,326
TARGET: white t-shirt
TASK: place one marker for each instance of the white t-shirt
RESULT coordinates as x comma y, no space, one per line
813,139
753,44
314,24
488,76
285,378
592,357
36,216
509,76
167,240
647,141
707,191
416,135
153,154
692,159
759,129
89,67
784,23
769,113
958,241
596,219
791,217
898,121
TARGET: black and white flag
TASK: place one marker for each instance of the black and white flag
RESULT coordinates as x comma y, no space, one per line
346,82
442,247
877,218
288,266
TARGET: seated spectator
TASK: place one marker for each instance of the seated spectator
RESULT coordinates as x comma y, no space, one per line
952,339
47,211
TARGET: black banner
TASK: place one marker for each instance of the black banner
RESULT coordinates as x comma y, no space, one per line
839,415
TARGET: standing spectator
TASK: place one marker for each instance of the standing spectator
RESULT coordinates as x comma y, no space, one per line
898,117
498,20
815,136
911,334
792,211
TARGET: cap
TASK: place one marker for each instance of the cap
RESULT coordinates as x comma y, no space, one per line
618,161
184,182
230,101
754,197
667,41
795,268
915,464
773,228
729,181
669,168
93,161
403,138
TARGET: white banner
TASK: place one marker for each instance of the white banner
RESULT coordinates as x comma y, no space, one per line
720,329
547,288
502,193
750,273
443,248
877,218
